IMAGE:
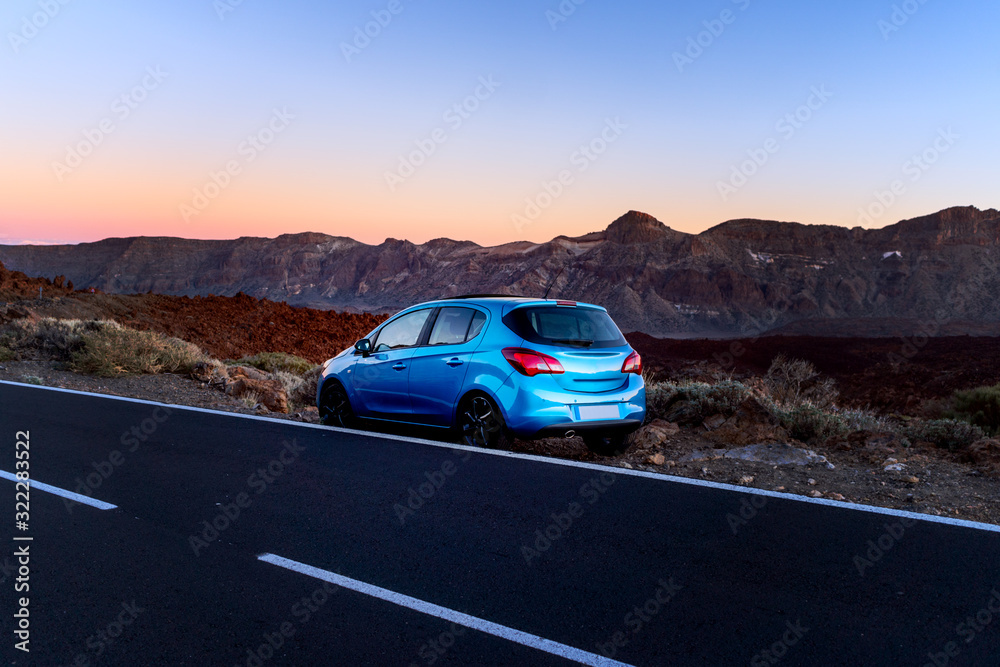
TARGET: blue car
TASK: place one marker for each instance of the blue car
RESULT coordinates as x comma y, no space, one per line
490,368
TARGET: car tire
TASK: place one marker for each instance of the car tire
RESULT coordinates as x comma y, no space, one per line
609,444
480,424
335,406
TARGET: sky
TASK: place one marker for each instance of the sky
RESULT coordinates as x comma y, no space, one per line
488,121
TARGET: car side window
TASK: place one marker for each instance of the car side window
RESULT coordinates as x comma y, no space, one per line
478,322
451,326
402,332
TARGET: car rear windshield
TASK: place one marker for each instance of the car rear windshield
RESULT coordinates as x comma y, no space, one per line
567,326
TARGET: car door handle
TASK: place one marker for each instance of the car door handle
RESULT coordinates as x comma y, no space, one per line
455,362
399,365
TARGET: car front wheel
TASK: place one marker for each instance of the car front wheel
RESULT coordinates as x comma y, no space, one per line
335,406
604,444
481,424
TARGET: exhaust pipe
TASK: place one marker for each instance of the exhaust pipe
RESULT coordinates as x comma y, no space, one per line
570,433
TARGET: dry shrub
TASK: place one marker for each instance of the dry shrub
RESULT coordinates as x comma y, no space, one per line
795,382
273,362
114,351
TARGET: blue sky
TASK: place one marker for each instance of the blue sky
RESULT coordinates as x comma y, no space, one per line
896,80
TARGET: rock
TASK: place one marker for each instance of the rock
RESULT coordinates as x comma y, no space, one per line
985,453
213,374
671,464
811,482
911,479
776,454
270,393
237,372
683,412
308,415
655,433
751,423
835,496
702,455
745,480
780,488
657,459
815,494
713,422
893,467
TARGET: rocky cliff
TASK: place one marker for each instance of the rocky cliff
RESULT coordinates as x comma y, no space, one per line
740,277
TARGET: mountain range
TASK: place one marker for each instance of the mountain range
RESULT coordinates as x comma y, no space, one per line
933,274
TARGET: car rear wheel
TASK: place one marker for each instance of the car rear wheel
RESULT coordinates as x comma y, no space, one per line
604,444
480,424
335,406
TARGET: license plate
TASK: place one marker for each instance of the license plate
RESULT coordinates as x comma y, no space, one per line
599,412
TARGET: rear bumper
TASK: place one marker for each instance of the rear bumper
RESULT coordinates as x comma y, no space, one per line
584,427
537,407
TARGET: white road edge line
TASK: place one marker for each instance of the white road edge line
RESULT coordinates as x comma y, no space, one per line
495,629
55,490
858,507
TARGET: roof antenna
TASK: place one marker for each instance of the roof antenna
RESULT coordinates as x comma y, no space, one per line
546,296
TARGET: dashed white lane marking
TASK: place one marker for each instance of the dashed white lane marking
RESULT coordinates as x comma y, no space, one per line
495,629
55,490
659,477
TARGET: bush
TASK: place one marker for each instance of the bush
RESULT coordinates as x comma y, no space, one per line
306,393
658,398
979,406
795,381
272,362
7,354
53,338
700,400
948,434
292,383
807,422
113,351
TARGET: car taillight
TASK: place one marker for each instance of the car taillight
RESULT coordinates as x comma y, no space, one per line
633,364
531,363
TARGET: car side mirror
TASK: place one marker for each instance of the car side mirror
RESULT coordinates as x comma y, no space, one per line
364,346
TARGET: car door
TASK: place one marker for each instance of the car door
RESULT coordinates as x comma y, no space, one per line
380,379
438,368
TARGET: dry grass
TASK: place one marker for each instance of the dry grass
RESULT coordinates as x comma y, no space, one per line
250,399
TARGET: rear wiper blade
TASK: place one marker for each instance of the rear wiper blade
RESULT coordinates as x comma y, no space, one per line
582,342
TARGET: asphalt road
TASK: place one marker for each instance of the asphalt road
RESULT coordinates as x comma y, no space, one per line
446,556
